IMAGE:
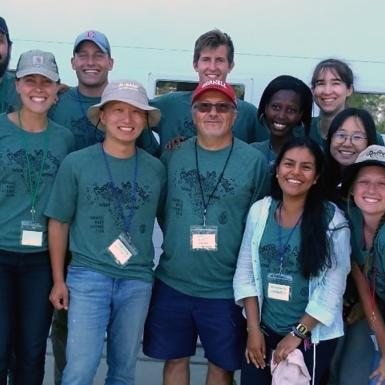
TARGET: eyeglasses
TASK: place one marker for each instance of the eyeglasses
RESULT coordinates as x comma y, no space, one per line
340,137
220,108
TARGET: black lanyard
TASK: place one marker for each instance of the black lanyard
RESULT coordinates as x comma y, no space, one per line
205,205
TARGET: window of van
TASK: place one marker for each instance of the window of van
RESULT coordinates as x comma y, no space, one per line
165,86
372,102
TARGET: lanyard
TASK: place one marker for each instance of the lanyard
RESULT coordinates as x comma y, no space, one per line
90,128
282,248
33,185
205,205
370,266
115,193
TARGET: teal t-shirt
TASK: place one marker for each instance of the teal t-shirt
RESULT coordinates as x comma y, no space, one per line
277,243
83,197
316,135
15,197
207,274
267,151
177,120
9,98
360,253
71,111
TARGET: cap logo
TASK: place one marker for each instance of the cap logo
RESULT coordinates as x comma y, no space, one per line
90,34
128,85
378,155
214,83
37,60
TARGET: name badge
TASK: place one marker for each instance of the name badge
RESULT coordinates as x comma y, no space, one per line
279,286
204,238
122,249
31,234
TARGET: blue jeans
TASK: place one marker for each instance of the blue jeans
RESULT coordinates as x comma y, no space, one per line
25,315
100,304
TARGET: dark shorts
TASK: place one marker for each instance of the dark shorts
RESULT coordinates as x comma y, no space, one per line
175,320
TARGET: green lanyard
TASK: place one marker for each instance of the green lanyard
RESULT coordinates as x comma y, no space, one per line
33,184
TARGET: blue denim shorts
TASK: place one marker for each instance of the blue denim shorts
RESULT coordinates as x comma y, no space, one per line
175,320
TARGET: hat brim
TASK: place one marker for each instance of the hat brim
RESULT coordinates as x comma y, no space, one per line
38,71
94,111
350,173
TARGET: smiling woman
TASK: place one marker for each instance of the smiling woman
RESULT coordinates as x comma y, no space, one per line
287,277
34,147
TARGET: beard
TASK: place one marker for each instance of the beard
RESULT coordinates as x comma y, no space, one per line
4,62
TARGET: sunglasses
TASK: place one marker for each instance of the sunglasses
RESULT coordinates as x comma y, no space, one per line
220,108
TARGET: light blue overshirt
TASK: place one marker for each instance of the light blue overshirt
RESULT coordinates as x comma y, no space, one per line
325,290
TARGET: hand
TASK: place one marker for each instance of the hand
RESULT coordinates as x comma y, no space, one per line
59,296
284,347
256,348
175,142
379,373
356,314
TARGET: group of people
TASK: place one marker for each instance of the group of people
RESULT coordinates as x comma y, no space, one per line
264,214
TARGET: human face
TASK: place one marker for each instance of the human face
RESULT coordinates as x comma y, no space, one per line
330,92
5,53
346,152
369,190
283,112
37,93
214,126
296,172
213,64
123,122
91,65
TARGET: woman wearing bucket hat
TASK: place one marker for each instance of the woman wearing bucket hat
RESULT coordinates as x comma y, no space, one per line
106,196
364,182
32,148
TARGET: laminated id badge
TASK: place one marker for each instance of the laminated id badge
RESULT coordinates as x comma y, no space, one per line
31,234
279,286
203,238
122,249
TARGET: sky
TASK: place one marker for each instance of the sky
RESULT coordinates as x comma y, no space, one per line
157,36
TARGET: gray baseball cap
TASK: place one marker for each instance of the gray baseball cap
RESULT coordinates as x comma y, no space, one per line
36,62
127,91
96,37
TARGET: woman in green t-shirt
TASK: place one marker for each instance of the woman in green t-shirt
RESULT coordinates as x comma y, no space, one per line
31,149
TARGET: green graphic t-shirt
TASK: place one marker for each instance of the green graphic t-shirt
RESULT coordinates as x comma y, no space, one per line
84,196
45,151
208,274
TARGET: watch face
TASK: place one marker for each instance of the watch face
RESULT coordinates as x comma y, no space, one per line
302,328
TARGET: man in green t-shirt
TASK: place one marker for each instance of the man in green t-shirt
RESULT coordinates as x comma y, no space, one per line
213,179
9,98
105,197
213,60
92,63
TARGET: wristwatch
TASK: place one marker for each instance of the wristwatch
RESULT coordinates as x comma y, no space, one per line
300,331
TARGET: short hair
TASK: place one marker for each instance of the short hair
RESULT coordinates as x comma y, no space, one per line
213,39
332,167
287,82
338,66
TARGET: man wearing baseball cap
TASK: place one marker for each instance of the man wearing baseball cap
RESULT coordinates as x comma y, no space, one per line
213,178
213,60
92,63
106,197
9,99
